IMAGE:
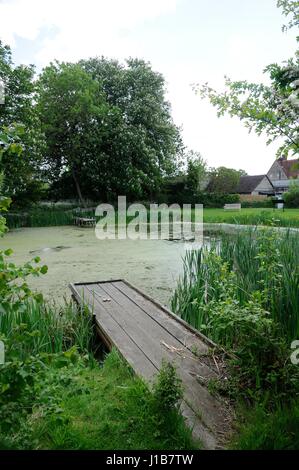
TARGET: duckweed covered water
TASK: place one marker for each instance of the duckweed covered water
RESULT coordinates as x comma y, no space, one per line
74,254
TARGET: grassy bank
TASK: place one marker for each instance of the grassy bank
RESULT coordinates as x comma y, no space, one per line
251,216
243,294
108,408
48,217
54,394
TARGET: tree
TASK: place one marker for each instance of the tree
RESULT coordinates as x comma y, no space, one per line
291,198
271,109
197,172
144,144
75,118
9,144
224,180
290,7
109,126
21,174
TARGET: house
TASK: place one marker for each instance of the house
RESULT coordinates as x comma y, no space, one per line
255,185
282,172
275,182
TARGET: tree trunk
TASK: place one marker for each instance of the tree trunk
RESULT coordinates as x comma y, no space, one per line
78,187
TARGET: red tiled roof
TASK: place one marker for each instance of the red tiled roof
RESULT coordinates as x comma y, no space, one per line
290,167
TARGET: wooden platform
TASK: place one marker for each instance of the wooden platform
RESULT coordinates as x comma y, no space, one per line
145,333
85,221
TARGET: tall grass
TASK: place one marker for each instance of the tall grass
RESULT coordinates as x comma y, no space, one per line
39,218
250,263
46,217
41,328
272,263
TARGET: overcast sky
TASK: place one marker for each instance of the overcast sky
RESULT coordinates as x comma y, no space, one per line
189,41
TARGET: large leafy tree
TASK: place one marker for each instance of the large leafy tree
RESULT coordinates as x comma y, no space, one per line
108,126
75,118
144,143
21,174
270,109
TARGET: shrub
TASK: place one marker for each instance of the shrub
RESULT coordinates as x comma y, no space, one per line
177,193
291,198
167,389
243,294
267,203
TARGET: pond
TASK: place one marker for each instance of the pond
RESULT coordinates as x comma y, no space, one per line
74,254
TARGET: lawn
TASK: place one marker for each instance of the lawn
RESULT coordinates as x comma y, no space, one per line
252,216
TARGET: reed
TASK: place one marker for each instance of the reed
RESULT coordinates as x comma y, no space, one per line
253,263
36,328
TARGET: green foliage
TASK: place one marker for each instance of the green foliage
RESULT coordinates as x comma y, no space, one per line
291,198
37,328
13,286
263,204
217,199
263,430
243,294
290,7
40,218
178,190
110,118
106,408
9,144
40,342
197,172
253,217
200,185
59,401
73,113
19,108
167,389
266,109
224,180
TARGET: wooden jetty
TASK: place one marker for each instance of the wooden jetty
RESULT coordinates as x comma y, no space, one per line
146,333
85,221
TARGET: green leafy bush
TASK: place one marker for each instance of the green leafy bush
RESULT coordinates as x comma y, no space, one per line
167,389
267,203
291,198
243,294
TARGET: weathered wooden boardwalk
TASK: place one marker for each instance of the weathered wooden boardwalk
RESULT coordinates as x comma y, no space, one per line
146,333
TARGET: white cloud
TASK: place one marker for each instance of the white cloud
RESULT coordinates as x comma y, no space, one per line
158,30
82,27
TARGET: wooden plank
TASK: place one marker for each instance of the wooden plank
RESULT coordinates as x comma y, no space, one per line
157,344
118,337
145,334
152,331
133,329
170,314
176,329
